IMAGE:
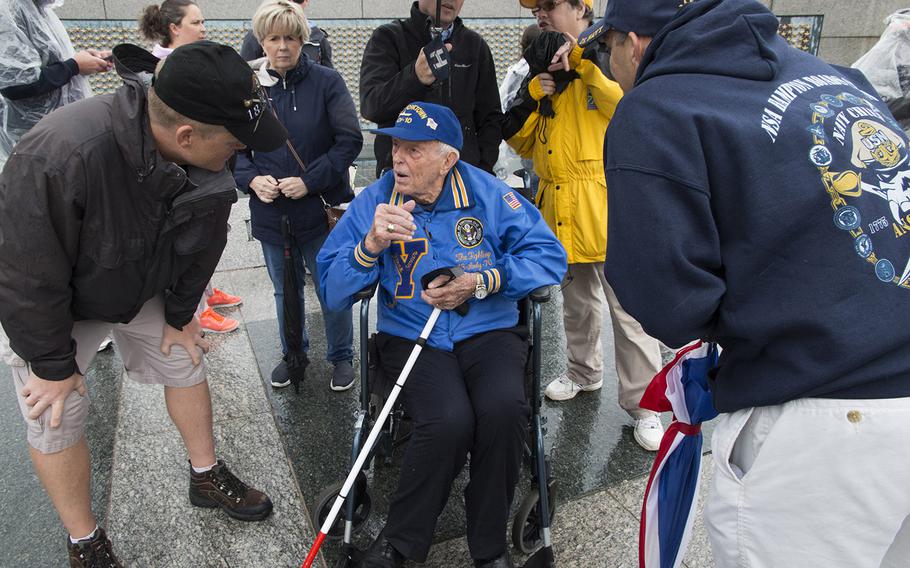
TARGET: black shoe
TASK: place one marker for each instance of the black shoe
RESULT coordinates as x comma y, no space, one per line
382,554
501,561
95,552
342,376
218,487
280,377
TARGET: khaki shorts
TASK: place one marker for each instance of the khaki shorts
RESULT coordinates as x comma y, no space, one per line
139,345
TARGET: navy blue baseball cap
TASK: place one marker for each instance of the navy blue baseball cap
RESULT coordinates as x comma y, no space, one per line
426,121
644,17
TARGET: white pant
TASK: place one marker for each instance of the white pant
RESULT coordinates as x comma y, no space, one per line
810,483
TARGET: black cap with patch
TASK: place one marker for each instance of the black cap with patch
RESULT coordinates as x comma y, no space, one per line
211,83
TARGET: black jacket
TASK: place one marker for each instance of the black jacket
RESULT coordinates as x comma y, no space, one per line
94,222
388,83
317,48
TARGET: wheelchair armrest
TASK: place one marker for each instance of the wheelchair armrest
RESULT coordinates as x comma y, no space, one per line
367,292
540,295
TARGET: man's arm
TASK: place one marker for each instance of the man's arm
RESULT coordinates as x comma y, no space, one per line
40,227
22,72
386,84
530,254
180,302
663,255
487,110
50,78
346,266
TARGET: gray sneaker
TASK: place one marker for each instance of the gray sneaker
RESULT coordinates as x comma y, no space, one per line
342,376
280,377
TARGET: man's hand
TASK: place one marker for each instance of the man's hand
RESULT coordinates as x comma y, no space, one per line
450,296
561,57
41,394
266,188
90,64
292,187
190,338
390,223
422,67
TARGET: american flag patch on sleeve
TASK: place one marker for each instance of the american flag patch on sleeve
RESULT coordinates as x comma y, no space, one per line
513,201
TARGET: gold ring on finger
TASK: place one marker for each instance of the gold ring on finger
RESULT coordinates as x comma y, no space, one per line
390,227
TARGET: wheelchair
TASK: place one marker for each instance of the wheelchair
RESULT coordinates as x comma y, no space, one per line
531,524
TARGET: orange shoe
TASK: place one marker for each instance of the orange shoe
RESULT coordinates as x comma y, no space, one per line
222,299
210,320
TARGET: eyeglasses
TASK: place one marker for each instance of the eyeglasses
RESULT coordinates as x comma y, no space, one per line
547,6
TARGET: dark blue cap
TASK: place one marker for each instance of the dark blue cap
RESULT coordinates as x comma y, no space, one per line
644,17
426,121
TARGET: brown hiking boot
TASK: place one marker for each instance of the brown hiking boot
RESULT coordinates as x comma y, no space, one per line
93,553
218,487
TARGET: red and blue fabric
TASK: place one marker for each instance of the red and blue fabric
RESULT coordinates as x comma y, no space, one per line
668,511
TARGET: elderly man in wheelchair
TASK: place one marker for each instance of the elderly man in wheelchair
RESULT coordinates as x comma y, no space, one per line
465,394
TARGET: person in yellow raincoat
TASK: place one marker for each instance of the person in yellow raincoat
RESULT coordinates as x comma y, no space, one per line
566,145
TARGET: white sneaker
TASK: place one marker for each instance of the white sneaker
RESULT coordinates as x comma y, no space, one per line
649,432
564,389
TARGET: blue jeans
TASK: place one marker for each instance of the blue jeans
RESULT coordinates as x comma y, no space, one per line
339,326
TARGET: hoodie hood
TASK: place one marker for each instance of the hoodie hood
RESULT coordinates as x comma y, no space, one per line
707,37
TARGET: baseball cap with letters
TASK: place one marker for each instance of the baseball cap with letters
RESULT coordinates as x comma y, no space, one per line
426,121
211,83
644,17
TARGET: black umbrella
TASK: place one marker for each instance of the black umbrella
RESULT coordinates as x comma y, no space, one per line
295,358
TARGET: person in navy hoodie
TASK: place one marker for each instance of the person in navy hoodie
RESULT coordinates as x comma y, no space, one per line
759,199
314,105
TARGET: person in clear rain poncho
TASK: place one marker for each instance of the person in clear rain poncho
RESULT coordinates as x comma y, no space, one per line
39,69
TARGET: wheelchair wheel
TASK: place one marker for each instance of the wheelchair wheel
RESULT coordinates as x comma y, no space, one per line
362,506
526,530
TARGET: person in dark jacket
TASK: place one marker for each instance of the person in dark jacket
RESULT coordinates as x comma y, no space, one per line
317,109
394,72
317,46
113,220
755,201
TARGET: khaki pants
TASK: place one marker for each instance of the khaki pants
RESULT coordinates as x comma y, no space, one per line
637,354
139,345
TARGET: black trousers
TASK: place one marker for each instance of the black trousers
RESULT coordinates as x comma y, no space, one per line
471,400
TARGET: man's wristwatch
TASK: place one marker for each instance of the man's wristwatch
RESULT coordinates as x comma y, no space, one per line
480,287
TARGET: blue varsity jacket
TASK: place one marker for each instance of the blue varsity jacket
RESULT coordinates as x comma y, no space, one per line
478,223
